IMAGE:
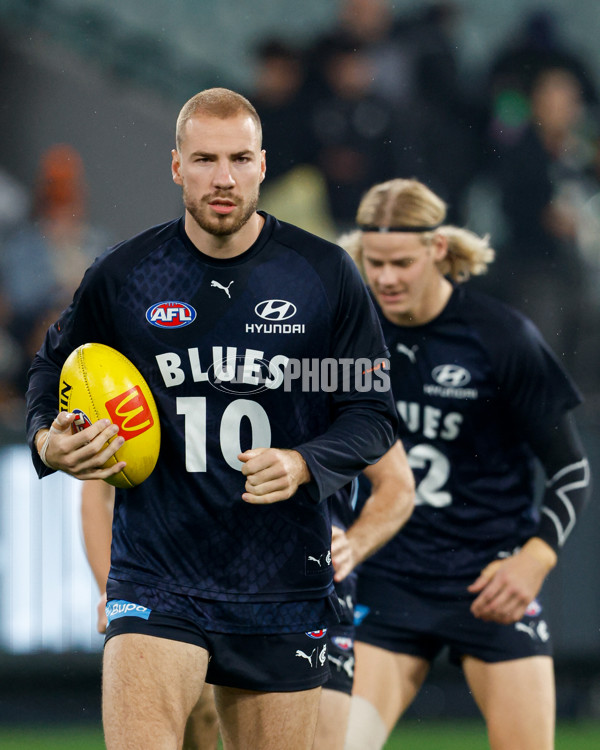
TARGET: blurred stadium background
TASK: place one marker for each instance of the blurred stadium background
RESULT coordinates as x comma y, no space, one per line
109,78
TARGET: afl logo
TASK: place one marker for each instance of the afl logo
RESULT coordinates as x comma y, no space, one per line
451,376
81,421
343,642
534,608
317,633
275,309
170,314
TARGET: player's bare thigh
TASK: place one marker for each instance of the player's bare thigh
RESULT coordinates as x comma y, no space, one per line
202,728
387,680
334,709
517,700
150,685
269,721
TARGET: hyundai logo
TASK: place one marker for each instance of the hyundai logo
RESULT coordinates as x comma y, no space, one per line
275,309
452,376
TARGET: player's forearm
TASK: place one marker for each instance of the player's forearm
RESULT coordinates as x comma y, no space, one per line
567,493
96,522
42,407
386,511
389,506
560,449
542,552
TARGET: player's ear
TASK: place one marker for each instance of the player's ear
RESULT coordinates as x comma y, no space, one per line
440,246
263,164
176,167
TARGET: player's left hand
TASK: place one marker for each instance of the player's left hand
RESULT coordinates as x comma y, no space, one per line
102,621
506,587
272,474
342,554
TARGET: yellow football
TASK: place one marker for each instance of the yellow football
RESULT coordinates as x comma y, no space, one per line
98,382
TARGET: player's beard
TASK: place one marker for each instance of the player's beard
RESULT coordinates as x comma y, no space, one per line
219,225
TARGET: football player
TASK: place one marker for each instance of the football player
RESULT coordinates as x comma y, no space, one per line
481,396
219,560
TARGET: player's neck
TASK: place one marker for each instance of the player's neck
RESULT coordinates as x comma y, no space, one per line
224,246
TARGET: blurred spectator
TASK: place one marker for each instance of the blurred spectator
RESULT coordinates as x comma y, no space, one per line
413,67
12,364
449,124
536,47
547,179
14,202
280,99
351,130
294,191
43,260
372,26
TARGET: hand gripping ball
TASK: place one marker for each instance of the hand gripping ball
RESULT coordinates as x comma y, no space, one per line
98,382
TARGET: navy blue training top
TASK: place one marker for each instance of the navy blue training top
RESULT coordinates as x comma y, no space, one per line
212,338
472,388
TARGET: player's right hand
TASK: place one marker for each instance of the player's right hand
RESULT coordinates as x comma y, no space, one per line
83,454
506,587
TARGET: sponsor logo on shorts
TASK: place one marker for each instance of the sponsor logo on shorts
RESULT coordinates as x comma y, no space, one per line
342,642
534,609
542,631
121,608
316,658
536,631
342,663
317,633
360,612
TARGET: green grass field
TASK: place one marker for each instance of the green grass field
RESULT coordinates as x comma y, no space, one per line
410,735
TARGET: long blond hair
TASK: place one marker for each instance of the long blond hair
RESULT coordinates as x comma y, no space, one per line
409,203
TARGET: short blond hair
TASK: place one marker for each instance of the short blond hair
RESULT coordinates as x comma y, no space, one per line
410,203
216,102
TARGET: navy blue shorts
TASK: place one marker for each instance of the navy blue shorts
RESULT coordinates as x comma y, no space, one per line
403,621
282,662
341,640
340,652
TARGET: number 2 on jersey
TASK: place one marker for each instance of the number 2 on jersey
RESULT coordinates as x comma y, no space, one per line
429,489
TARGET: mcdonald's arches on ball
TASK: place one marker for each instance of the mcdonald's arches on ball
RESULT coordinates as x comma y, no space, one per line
98,382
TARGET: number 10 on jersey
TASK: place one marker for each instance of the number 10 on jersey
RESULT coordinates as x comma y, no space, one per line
193,409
